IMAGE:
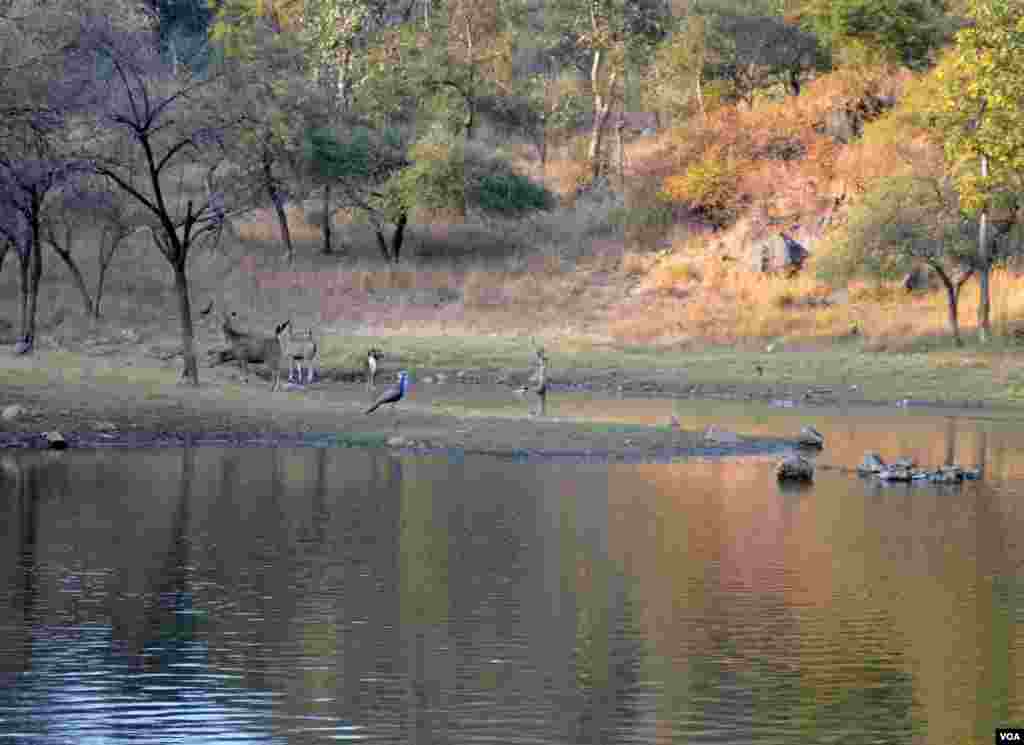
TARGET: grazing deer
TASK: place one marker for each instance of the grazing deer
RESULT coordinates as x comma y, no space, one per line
247,347
301,347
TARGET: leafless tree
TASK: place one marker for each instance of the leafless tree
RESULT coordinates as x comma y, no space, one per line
173,164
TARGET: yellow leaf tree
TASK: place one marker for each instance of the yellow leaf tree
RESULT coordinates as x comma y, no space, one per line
981,113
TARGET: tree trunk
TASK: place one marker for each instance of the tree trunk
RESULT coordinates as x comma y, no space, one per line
34,277
282,220
620,149
191,370
984,313
106,257
382,244
24,262
984,269
77,278
952,298
602,107
277,199
398,237
327,219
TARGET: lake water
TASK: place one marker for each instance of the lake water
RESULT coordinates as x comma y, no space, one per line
323,595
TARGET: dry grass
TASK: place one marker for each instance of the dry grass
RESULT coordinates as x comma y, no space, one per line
573,272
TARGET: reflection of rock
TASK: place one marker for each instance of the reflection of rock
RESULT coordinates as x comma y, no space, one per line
809,437
794,468
720,436
872,463
896,473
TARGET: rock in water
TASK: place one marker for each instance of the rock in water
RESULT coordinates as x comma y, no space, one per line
809,437
12,412
794,468
720,436
872,463
55,440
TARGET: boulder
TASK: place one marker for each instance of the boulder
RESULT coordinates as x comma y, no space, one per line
720,436
55,440
918,278
778,253
872,463
12,412
809,437
794,468
896,473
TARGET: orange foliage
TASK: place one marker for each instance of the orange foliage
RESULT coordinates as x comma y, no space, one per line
777,157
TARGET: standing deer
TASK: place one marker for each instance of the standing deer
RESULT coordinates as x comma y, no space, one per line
247,347
301,347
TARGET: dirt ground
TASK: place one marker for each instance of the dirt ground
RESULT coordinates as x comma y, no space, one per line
130,400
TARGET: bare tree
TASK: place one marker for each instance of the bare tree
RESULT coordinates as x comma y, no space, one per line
174,128
31,171
90,207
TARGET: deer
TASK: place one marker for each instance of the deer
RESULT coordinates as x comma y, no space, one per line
301,350
247,347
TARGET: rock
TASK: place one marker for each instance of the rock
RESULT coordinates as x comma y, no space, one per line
872,463
917,278
842,125
720,436
104,426
809,437
55,440
948,475
794,468
12,412
896,473
778,253
427,379
440,378
398,442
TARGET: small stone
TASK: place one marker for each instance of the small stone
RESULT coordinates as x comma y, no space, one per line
809,437
428,379
720,436
55,440
794,468
896,473
872,463
12,412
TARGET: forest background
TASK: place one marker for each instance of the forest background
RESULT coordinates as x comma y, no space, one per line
766,175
